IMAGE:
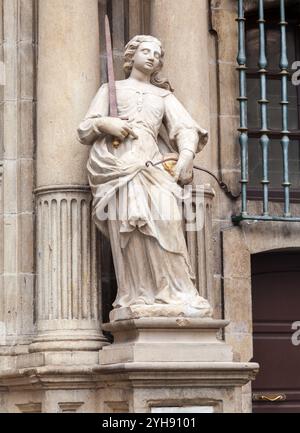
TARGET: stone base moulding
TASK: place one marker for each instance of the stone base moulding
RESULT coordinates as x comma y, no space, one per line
159,311
126,387
62,335
154,365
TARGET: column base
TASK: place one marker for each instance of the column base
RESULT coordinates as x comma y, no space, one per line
61,359
64,335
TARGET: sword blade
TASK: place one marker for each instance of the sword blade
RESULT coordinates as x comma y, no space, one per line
113,107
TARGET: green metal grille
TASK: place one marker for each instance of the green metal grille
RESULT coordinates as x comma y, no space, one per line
264,132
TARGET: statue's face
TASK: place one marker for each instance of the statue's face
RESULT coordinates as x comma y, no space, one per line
146,58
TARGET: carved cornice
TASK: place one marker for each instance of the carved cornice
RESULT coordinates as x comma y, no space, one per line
70,406
94,376
30,407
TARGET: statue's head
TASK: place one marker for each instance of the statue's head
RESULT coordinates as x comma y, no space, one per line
136,48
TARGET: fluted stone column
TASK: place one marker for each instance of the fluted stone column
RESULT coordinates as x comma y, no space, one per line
67,299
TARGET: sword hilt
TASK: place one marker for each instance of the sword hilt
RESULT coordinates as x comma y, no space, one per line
116,143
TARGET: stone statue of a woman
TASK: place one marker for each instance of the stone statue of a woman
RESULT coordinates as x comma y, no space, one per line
152,266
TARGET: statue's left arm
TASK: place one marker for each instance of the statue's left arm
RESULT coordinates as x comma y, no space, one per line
189,138
182,128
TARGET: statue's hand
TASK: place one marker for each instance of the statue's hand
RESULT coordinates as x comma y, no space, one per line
183,170
115,126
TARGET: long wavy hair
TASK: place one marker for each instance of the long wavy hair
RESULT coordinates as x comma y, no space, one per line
129,52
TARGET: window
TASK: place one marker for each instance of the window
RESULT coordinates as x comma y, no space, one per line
272,26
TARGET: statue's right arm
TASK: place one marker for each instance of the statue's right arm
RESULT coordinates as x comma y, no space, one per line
97,123
88,130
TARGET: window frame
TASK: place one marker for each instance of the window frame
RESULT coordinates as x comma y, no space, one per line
272,17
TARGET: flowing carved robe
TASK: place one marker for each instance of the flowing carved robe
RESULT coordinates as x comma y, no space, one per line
149,251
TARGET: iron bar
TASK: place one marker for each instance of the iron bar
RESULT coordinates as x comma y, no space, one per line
243,139
264,139
284,109
237,219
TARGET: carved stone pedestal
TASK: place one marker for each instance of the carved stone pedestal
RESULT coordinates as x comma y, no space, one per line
163,339
154,365
172,364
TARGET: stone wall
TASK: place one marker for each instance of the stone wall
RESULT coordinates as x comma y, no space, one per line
17,151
